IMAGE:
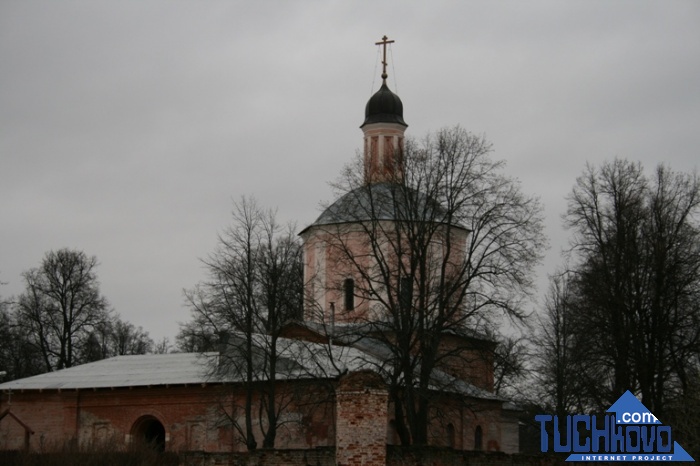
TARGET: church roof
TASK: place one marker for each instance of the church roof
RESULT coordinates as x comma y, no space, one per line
384,107
122,371
377,354
297,360
382,201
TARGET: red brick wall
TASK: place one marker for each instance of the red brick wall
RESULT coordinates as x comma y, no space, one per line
361,420
468,359
13,435
356,419
190,415
49,415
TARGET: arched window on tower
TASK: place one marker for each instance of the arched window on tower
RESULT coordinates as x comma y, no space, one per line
349,289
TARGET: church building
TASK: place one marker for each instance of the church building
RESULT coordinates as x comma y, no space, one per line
336,363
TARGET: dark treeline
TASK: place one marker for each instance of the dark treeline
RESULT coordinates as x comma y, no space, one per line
624,312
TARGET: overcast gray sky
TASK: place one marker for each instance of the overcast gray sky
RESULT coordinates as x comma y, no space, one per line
128,128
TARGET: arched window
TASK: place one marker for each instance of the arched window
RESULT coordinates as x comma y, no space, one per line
349,289
478,438
450,435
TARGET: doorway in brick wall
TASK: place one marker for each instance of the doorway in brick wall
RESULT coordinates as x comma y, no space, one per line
148,430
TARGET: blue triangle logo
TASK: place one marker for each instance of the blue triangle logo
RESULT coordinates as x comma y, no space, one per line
631,433
629,410
679,453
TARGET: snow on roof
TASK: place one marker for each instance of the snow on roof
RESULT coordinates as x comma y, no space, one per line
297,359
123,371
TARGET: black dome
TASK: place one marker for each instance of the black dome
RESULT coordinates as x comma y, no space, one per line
384,107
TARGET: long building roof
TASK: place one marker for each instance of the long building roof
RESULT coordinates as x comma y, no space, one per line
297,359
122,371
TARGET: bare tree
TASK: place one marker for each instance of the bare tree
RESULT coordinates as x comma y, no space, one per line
126,338
18,357
443,247
636,256
565,384
255,286
115,337
683,414
197,335
21,356
510,365
61,306
162,346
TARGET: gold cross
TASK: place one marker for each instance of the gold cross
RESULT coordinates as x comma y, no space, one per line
383,43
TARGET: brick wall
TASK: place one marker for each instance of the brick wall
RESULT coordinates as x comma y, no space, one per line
190,415
357,419
48,423
468,359
361,420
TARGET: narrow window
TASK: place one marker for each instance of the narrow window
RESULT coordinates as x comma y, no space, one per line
451,435
478,439
349,286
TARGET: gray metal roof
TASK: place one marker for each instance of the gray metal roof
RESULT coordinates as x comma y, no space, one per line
383,201
440,380
364,351
122,371
297,359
